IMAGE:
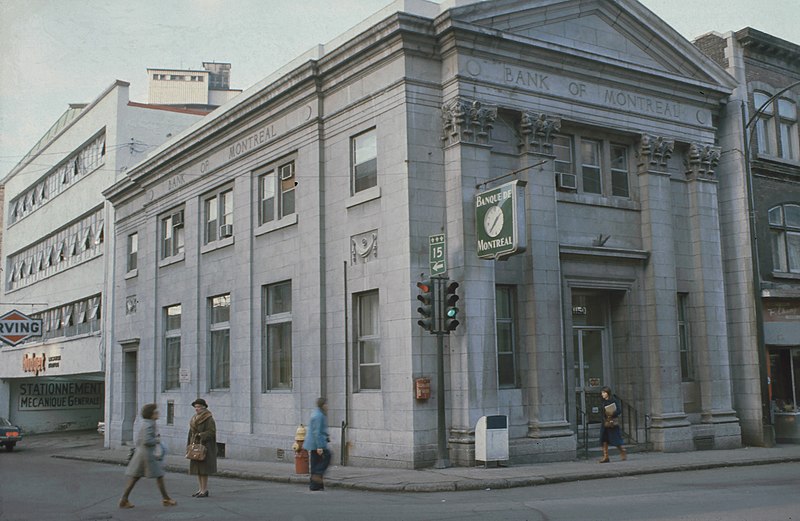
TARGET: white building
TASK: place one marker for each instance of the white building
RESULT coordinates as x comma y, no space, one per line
55,235
205,88
279,241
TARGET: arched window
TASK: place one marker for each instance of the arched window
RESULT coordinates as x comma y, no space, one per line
777,136
784,223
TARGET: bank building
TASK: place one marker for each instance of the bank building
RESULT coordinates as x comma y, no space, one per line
280,241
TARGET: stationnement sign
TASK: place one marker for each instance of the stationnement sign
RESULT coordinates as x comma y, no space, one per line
16,327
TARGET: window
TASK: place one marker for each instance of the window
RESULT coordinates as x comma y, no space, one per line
172,234
172,347
276,350
364,156
133,251
784,372
220,335
368,341
591,166
276,189
684,338
777,136
506,336
784,223
218,216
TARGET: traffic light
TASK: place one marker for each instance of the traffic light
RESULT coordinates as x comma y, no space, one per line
450,309
426,296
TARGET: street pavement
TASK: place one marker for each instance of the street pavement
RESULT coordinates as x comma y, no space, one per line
88,447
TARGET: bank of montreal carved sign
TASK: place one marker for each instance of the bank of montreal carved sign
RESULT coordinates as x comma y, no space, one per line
16,327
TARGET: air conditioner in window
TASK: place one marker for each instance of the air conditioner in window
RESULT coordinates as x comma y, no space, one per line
567,181
226,230
177,218
287,171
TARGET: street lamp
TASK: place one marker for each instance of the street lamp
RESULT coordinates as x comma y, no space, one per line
766,411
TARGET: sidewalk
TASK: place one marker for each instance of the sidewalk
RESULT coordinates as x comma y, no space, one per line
468,478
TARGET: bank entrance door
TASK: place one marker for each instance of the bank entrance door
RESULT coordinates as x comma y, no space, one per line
591,360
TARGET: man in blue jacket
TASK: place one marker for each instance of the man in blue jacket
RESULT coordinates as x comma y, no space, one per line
316,443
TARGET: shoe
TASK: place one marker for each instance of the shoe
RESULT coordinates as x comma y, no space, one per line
196,494
604,460
202,494
124,503
169,502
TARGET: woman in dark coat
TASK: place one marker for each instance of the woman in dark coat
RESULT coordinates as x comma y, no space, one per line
203,429
609,434
145,462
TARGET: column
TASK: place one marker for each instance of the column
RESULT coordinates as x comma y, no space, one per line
469,351
540,297
708,316
670,430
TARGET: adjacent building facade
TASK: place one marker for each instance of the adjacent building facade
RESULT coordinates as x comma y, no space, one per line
204,89
760,214
56,230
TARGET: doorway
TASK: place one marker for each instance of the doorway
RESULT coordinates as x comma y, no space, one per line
129,405
591,358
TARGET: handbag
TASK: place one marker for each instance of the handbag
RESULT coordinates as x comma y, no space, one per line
196,451
159,451
610,423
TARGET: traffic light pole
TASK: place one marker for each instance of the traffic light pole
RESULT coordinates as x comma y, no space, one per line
442,461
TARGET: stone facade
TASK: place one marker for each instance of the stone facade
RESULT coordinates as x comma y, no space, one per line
334,172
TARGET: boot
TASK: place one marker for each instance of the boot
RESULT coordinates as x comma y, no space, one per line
623,454
605,454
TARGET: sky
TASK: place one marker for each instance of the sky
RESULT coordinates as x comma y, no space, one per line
57,52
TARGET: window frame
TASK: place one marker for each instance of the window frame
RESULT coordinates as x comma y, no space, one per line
356,161
784,240
132,256
217,212
362,338
172,346
509,294
777,131
607,174
174,223
276,320
282,190
219,370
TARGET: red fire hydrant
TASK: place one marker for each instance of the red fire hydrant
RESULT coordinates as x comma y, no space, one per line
300,454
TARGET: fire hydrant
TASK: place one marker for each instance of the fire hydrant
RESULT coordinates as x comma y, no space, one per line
300,454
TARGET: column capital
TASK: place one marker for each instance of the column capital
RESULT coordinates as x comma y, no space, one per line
701,160
536,131
655,151
467,121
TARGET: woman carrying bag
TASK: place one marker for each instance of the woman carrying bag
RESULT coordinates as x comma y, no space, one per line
610,428
316,443
202,429
145,462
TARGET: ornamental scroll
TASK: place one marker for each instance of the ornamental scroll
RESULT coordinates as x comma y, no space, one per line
655,151
363,246
701,160
536,132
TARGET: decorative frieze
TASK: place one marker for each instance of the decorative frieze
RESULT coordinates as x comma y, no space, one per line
701,160
363,247
468,121
131,303
655,151
535,132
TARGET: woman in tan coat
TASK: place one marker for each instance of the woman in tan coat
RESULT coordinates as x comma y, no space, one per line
203,429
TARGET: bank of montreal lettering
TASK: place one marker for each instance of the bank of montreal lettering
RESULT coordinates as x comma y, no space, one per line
64,395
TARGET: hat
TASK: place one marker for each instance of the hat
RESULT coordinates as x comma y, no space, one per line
199,401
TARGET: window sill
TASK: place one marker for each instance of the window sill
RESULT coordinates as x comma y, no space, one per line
132,274
287,221
363,196
777,159
785,275
598,200
216,245
172,260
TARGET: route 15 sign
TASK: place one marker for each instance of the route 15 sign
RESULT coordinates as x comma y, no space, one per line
16,327
500,221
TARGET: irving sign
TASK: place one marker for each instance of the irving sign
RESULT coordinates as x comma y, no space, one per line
16,327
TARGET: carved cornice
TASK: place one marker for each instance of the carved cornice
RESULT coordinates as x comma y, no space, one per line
655,151
536,132
701,160
468,121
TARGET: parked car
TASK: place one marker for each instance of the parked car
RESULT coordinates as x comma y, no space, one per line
9,434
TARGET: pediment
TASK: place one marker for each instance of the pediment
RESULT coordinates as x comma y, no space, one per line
623,32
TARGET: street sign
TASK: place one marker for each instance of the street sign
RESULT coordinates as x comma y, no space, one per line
16,327
500,221
436,254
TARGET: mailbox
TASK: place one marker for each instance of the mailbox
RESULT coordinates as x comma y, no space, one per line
491,438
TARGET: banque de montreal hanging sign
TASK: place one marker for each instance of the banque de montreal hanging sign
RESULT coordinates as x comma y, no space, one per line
500,221
16,327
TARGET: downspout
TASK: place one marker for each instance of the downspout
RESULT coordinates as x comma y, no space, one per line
346,420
